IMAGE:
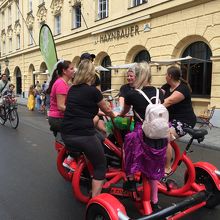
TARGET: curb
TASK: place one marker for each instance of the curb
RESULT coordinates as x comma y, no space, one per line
203,145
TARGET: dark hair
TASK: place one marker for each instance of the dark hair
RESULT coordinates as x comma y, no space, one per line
58,72
176,74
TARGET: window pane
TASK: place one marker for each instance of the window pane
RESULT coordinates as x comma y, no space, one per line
142,56
199,73
105,76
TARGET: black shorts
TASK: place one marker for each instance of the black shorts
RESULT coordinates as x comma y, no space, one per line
179,126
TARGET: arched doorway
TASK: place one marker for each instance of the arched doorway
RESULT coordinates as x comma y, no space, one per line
105,76
143,55
198,72
18,81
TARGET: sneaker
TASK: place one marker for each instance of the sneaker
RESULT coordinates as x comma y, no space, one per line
70,163
155,207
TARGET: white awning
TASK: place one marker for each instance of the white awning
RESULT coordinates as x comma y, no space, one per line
187,59
41,73
122,66
101,68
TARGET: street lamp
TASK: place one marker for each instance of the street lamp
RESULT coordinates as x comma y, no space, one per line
6,61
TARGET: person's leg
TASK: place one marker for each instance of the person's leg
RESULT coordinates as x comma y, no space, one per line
154,191
92,148
169,153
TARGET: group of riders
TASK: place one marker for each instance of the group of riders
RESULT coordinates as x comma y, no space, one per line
76,103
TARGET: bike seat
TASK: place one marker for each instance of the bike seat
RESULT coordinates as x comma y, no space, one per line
196,133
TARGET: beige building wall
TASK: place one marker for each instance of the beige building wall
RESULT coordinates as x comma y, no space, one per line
164,28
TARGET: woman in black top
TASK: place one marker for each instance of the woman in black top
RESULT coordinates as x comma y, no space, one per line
177,94
78,131
142,153
124,90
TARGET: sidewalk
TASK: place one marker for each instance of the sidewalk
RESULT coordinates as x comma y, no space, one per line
212,139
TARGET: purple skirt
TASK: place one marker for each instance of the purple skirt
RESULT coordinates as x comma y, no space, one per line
148,159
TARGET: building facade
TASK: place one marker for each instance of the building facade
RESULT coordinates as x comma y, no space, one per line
118,32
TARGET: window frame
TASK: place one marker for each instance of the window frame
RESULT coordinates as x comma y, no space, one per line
30,40
9,16
103,13
18,41
57,29
76,17
30,5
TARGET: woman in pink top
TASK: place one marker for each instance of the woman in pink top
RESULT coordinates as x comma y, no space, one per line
58,89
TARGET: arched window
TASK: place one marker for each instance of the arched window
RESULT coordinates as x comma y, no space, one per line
143,55
198,73
105,76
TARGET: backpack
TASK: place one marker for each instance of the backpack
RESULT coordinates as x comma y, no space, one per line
156,122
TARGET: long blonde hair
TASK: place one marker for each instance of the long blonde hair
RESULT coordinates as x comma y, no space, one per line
143,75
85,73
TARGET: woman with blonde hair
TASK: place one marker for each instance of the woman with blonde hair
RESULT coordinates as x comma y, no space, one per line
31,98
78,130
142,153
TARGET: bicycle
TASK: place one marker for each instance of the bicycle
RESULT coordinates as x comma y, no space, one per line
8,111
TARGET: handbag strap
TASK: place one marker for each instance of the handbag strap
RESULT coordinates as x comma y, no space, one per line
4,86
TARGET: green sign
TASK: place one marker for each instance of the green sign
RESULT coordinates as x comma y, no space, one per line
47,47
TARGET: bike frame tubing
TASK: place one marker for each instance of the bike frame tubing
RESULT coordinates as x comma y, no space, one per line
190,187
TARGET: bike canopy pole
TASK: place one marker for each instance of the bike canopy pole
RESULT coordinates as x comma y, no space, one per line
185,204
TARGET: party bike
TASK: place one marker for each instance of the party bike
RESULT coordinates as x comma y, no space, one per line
201,188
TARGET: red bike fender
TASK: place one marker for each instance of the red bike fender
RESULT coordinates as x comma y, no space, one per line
109,203
210,169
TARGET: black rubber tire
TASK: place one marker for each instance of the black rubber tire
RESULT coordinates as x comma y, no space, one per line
14,118
97,212
204,178
2,116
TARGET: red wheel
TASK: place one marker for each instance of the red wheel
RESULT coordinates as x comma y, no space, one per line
82,182
105,207
65,173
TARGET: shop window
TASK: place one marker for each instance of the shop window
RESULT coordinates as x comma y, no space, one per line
105,76
102,9
142,56
198,72
76,16
57,24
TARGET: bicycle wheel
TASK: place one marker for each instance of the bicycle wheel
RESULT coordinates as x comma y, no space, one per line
2,116
13,118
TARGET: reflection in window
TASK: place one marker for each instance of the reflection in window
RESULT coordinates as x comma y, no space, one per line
76,16
198,73
137,2
102,9
142,56
57,24
105,76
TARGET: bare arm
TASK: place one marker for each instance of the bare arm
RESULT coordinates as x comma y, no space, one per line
61,102
106,109
121,101
125,110
176,97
